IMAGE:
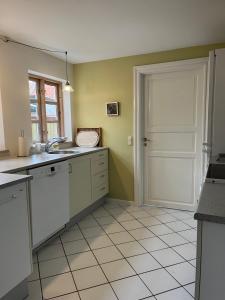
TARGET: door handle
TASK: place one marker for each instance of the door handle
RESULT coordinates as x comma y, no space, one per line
146,139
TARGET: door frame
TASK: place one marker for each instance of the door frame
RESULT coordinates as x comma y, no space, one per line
139,73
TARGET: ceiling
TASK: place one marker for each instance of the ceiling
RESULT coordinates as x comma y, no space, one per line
100,29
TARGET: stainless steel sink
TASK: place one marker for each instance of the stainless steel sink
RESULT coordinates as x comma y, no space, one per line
63,152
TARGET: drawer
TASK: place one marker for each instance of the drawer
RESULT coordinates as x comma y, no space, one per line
99,165
100,155
100,191
100,179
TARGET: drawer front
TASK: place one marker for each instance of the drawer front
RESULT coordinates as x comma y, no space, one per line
100,179
99,165
100,155
100,191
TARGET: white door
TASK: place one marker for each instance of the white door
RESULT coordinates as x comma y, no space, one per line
174,117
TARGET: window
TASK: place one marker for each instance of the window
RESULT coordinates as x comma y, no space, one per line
46,109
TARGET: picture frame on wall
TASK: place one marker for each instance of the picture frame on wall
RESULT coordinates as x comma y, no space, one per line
112,109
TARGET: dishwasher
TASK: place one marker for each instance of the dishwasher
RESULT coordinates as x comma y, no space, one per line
49,198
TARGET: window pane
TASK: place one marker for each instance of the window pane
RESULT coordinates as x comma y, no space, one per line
51,112
33,89
50,93
35,132
52,129
34,111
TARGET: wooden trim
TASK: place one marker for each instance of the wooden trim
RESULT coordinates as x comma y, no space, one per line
41,101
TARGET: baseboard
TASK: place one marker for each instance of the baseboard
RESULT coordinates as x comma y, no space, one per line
120,201
20,292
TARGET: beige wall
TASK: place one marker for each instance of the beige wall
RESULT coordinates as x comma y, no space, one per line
15,61
99,82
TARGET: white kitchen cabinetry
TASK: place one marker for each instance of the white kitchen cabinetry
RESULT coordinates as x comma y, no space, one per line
80,184
15,250
88,180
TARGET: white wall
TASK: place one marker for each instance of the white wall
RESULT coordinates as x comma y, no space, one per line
15,61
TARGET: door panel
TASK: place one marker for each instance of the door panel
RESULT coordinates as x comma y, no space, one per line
174,108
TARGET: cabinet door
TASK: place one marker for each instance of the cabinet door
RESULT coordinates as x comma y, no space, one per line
15,258
80,184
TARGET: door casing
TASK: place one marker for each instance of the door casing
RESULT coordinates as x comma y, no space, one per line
139,73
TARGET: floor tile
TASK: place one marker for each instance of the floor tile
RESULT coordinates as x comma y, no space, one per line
173,239
99,242
88,222
191,222
72,235
181,215
113,228
159,281
82,260
193,262
100,212
178,226
190,288
155,211
102,292
116,211
153,244
50,252
166,218
121,237
76,247
133,208
54,241
34,290
35,273
105,220
92,231
131,288
131,249
124,217
177,294
149,221
184,273
141,233
188,251
107,254
189,235
167,257
117,270
129,225
160,229
143,263
53,267
139,214
89,277
73,296
58,285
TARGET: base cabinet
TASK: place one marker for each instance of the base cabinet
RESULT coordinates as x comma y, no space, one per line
80,184
88,180
15,258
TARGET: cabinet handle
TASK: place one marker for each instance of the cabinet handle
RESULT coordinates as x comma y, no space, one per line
13,196
101,164
70,168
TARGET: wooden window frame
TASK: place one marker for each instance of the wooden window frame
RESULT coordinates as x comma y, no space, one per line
42,120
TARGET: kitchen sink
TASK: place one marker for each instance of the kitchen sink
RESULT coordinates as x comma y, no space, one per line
63,152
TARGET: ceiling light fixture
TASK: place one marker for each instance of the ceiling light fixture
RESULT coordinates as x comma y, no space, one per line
67,86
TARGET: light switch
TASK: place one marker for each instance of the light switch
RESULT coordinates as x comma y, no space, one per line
129,140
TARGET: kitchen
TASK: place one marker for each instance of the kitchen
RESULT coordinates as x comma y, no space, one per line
88,209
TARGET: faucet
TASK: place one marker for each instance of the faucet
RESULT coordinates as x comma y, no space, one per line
55,140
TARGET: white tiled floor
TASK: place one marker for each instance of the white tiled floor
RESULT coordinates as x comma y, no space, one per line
120,252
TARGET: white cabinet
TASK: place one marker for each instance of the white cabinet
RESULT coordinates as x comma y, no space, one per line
15,249
80,184
88,180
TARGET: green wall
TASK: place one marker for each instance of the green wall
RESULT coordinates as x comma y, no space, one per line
103,81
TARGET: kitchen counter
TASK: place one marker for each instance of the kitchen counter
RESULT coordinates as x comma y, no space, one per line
211,206
10,179
16,164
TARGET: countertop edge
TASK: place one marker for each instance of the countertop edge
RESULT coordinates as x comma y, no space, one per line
13,181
